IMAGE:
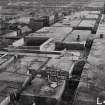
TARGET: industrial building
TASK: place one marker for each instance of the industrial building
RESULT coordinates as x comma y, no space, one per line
55,58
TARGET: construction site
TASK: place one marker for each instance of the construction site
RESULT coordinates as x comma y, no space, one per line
52,52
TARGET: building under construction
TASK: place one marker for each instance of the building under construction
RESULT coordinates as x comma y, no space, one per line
55,58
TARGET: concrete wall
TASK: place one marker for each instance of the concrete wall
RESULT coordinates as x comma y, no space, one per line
19,42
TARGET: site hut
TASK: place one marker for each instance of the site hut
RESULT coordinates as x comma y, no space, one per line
49,84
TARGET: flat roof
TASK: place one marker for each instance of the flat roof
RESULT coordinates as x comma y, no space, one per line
101,27
95,70
65,63
67,22
91,16
87,23
40,86
22,64
58,33
85,12
75,22
98,50
12,77
84,35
